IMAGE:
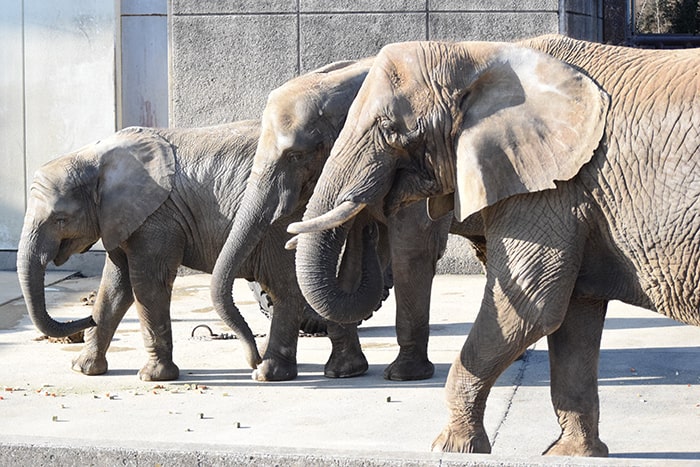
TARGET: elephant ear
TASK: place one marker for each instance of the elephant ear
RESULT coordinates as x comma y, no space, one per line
137,168
528,120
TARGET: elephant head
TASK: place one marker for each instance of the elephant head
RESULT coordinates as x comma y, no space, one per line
299,125
104,190
463,124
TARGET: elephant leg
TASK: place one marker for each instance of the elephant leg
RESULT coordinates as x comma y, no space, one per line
279,362
114,298
416,245
573,356
530,275
346,359
152,278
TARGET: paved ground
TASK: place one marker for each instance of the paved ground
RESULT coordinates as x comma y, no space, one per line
649,392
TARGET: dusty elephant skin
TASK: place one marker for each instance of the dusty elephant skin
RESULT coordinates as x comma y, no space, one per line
583,162
300,123
158,199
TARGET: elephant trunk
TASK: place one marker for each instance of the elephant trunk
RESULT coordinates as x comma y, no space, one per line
317,263
250,224
31,270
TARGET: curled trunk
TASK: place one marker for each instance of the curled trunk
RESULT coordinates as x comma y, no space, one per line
31,270
317,263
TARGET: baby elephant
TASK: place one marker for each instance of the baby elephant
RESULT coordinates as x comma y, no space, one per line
158,199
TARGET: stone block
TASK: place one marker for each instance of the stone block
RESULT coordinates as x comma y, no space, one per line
224,66
327,38
494,5
459,258
491,26
365,6
191,7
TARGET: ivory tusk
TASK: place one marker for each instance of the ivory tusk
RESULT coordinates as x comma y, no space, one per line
333,218
292,243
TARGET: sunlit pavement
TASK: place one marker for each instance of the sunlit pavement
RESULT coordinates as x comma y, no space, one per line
215,413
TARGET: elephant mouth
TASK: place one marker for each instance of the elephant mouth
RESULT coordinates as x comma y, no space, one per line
68,247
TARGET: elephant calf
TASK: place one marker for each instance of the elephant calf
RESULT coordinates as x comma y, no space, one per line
158,199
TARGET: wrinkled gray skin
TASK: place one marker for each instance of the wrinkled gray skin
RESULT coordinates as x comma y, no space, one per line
158,199
299,125
587,178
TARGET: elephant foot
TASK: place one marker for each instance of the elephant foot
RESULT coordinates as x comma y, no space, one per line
343,365
159,371
409,369
581,447
275,370
451,441
89,364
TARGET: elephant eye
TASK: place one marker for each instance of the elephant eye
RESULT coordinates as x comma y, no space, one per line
295,156
389,131
60,221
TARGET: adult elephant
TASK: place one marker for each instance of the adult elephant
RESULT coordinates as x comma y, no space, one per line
300,123
582,160
158,199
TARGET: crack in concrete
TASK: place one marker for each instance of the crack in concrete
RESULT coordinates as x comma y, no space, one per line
516,385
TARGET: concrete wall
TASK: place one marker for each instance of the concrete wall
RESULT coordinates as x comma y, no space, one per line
56,91
143,87
227,55
74,72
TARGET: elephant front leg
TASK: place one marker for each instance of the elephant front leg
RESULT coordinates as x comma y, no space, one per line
573,355
412,291
279,361
529,282
346,359
114,298
416,244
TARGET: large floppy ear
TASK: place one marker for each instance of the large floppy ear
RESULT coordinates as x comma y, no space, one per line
527,120
136,176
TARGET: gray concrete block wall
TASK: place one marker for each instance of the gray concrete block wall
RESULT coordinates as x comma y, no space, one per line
61,87
226,56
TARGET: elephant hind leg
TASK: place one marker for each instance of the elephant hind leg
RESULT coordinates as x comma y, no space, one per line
573,354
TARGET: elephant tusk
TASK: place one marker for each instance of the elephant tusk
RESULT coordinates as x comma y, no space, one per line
292,243
333,218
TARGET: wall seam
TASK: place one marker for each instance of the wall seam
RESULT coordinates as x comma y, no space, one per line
24,110
298,37
427,20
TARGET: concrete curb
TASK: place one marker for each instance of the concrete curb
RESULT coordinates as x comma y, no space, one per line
67,452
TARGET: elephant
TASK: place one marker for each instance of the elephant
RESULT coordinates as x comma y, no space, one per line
300,122
158,199
581,160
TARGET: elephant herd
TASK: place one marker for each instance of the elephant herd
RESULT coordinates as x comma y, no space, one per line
572,167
